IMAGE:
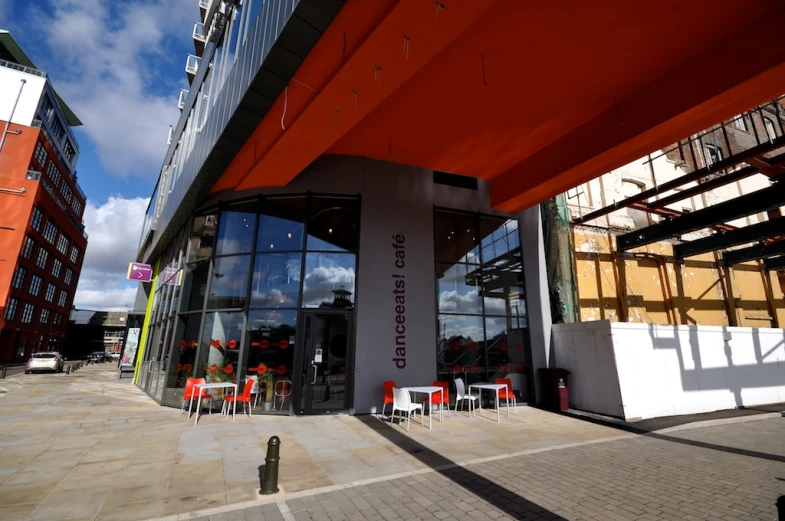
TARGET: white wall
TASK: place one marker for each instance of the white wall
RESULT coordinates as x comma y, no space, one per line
10,82
586,351
671,370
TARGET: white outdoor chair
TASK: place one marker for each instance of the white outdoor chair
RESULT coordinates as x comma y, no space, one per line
283,389
402,401
463,395
255,391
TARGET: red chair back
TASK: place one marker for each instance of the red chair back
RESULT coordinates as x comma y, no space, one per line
248,389
444,385
507,382
388,391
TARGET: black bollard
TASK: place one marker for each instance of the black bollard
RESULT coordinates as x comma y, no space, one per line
68,370
781,508
269,481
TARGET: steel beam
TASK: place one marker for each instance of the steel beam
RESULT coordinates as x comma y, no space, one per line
720,241
704,187
760,251
777,263
760,201
726,163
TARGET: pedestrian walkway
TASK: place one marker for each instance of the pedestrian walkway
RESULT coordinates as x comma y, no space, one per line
728,472
88,446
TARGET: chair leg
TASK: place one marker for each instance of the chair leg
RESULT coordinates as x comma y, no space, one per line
408,419
250,412
384,406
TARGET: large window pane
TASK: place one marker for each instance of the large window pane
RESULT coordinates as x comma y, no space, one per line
460,347
334,224
503,293
281,225
456,238
196,285
276,280
500,240
459,289
220,348
235,233
270,358
229,282
506,351
183,357
329,280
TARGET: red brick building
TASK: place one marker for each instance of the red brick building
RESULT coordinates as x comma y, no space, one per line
42,238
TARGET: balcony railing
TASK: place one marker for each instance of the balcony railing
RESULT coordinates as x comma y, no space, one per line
199,33
37,123
22,68
33,175
183,98
192,65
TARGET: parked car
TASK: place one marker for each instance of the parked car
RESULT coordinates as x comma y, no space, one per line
47,361
114,356
96,357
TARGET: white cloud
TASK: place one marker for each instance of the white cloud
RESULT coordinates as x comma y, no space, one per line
108,57
114,229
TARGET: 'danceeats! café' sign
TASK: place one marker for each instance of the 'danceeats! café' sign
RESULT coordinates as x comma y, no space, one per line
399,291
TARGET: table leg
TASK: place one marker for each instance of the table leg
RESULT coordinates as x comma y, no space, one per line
234,404
430,412
498,414
479,399
190,403
198,408
441,408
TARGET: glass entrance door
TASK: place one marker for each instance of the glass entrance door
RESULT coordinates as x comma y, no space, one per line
326,375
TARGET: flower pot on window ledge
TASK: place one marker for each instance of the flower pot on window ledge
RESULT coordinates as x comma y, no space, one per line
267,406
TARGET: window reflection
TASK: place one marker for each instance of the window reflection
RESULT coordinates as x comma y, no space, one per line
229,282
333,224
459,289
500,241
270,357
235,233
218,358
456,238
183,357
329,280
460,347
276,280
196,285
281,225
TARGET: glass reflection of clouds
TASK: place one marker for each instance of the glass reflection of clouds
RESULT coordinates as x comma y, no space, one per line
325,273
229,282
276,280
458,291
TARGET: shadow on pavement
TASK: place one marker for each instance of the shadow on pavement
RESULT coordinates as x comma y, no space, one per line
509,502
628,427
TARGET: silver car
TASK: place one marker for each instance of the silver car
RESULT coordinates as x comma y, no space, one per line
47,361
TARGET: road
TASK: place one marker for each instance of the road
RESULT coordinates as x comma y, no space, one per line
20,369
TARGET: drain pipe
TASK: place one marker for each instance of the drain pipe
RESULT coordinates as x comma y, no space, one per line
13,110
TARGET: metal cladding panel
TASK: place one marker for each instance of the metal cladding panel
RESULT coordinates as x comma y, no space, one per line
223,134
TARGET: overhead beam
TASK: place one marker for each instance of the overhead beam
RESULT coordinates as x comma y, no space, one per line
777,263
720,241
760,201
711,184
760,251
658,115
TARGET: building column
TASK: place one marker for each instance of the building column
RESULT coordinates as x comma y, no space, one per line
537,294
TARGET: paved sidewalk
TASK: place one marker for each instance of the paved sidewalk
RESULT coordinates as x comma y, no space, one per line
86,446
728,472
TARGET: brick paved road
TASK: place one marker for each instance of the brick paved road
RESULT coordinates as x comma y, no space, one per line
724,473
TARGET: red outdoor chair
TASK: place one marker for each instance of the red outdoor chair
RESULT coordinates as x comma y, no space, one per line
190,390
437,399
245,398
508,394
388,394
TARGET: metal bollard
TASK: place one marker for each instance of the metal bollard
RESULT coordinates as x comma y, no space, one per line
269,481
68,370
781,508
2,372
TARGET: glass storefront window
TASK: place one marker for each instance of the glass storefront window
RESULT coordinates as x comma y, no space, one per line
235,233
481,302
183,357
334,224
276,280
329,280
229,283
281,225
220,346
459,286
195,285
270,357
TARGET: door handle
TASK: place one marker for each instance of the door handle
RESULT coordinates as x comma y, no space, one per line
315,370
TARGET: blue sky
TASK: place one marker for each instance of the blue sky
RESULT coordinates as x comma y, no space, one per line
119,64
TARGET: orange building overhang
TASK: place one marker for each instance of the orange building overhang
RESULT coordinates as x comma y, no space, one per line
535,97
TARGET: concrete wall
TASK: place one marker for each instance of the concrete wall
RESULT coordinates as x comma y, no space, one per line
10,81
670,370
